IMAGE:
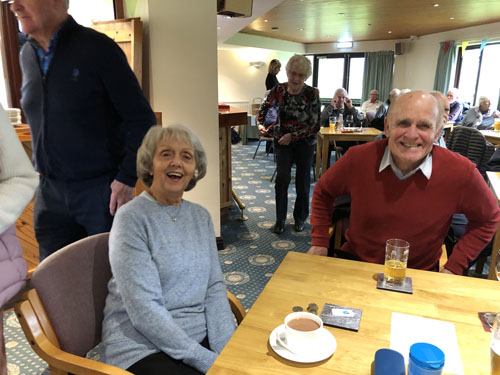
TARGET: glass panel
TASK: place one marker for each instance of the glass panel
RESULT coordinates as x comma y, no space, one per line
489,79
468,75
356,69
330,76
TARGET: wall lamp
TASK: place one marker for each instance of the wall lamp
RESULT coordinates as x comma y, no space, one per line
257,64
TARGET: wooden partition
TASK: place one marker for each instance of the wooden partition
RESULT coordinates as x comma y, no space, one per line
127,33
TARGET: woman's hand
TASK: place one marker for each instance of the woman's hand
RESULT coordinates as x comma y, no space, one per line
262,130
285,140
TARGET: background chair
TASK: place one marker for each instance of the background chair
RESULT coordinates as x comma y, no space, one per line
472,144
262,139
62,316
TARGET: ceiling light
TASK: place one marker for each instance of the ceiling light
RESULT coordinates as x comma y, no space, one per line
390,32
436,5
228,17
266,20
218,27
300,29
452,18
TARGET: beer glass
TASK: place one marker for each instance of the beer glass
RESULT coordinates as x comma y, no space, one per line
332,122
495,347
396,258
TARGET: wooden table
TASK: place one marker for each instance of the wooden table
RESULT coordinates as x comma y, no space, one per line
325,135
492,136
494,178
302,279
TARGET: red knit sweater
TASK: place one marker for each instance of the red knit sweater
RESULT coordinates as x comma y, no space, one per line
416,209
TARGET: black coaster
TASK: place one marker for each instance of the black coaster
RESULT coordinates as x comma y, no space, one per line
405,287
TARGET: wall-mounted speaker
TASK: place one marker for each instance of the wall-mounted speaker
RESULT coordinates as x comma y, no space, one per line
398,48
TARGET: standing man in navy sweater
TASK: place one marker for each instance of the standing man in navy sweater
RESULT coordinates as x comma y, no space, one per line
87,115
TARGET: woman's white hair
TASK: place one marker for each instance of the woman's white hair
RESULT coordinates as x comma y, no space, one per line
301,61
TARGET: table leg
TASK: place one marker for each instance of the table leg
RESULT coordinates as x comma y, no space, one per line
324,155
318,154
494,251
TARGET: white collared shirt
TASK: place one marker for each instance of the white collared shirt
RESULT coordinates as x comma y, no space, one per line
425,166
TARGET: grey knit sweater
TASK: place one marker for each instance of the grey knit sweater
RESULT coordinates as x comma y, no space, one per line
167,292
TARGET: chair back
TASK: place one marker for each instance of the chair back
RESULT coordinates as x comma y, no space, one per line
72,284
470,142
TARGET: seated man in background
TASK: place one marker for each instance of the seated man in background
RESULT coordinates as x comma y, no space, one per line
378,121
340,104
456,108
482,116
444,103
371,105
403,187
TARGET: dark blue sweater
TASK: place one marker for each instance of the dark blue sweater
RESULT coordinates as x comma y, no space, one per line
88,114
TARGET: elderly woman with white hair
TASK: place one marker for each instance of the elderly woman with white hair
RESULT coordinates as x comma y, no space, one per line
167,309
295,109
482,116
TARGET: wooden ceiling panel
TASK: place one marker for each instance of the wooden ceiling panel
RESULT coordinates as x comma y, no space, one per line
317,21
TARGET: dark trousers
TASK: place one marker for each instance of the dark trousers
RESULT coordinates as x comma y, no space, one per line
65,212
302,155
160,363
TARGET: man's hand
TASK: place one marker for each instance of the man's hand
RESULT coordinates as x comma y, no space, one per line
285,140
262,129
348,102
334,101
444,270
318,250
120,194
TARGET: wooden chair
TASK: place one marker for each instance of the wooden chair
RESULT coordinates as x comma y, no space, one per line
62,316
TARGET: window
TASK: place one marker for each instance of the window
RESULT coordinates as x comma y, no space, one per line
333,71
477,74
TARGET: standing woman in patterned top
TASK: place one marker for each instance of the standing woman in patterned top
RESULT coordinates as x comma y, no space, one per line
291,114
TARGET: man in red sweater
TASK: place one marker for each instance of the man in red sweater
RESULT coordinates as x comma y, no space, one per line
403,187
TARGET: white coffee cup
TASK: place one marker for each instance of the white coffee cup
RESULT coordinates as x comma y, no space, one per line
301,332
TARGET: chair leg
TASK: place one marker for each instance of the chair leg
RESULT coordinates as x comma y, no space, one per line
480,264
257,149
274,174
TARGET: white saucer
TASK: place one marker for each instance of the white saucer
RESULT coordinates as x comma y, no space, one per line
326,347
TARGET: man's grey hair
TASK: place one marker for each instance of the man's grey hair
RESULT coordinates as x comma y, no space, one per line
341,89
301,61
156,134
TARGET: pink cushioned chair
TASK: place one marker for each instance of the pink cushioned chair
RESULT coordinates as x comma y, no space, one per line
62,316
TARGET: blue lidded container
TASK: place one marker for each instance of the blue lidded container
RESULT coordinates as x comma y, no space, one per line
425,359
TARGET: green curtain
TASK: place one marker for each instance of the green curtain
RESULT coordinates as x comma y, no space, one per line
378,74
446,59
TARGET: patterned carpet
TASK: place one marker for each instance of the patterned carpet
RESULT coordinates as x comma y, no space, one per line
250,258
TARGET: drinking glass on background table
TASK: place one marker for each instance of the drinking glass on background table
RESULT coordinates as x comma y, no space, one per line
349,120
332,122
497,124
495,347
396,258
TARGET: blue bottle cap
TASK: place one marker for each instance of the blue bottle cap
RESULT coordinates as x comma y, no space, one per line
389,362
427,356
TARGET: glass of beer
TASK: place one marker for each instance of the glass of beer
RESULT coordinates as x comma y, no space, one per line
497,124
396,258
495,347
332,121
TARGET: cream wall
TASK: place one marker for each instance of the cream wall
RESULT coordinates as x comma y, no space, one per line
239,83
181,49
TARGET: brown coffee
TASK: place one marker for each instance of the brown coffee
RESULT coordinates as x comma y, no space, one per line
303,324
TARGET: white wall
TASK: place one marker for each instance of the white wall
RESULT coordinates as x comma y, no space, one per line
238,81
182,55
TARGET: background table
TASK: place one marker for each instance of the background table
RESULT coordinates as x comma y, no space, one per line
302,279
325,135
492,136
